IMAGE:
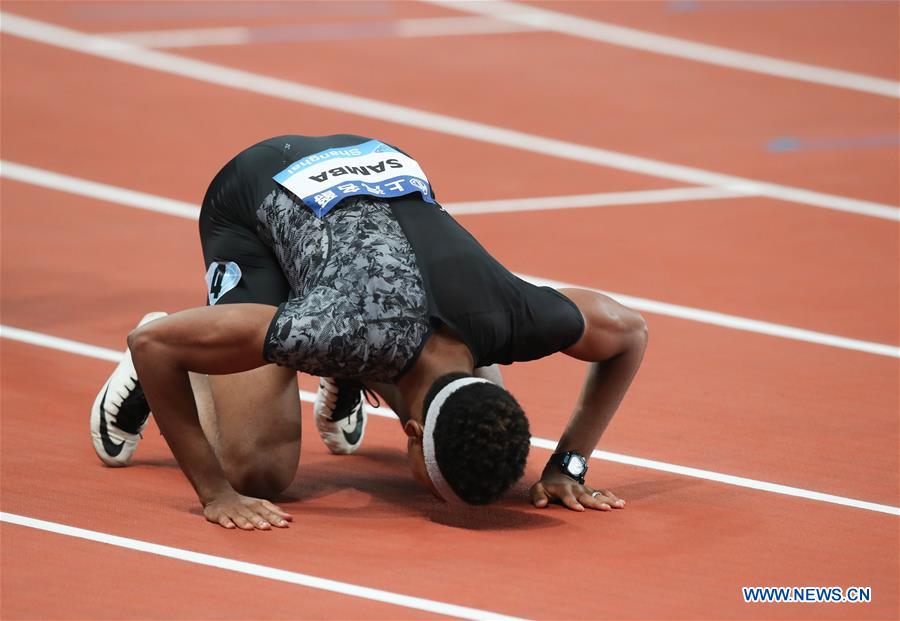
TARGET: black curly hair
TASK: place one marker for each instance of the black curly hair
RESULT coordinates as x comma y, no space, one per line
481,440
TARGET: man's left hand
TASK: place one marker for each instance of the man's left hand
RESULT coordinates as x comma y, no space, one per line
557,488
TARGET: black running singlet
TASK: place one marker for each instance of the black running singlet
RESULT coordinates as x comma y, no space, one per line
285,255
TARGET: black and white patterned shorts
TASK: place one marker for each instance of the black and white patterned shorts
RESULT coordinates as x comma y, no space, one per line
358,307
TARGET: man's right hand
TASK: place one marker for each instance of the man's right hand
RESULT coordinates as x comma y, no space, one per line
233,510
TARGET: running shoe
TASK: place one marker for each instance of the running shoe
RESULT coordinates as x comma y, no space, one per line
120,411
339,413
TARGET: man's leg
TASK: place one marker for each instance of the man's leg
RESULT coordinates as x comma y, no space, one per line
252,420
206,409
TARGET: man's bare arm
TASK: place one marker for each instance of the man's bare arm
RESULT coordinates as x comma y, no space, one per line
215,340
613,342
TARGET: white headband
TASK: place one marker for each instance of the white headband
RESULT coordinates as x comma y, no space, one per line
431,465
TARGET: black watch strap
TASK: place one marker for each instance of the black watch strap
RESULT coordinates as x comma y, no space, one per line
571,464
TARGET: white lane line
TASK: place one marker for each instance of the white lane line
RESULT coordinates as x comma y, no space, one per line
595,30
695,473
39,339
733,322
140,200
412,28
133,198
639,197
120,51
260,571
92,189
187,37
75,347
453,25
728,479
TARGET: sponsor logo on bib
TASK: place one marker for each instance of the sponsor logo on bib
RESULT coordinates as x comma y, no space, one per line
323,179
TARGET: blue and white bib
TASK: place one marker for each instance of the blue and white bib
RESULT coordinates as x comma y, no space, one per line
372,168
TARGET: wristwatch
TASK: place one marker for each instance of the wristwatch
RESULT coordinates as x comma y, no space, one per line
570,464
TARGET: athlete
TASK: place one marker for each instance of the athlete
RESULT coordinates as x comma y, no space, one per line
331,256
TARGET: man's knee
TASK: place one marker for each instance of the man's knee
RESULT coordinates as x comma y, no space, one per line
258,476
258,429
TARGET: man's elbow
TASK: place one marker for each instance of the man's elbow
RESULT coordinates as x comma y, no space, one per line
627,333
639,331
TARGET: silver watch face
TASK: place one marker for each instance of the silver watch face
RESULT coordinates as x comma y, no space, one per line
575,467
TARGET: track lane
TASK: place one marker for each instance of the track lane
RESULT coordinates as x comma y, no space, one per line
752,257
708,398
689,112
135,133
793,32
117,15
51,576
356,105
859,33
669,520
699,387
186,166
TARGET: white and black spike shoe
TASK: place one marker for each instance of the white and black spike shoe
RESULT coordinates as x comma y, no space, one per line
340,415
120,411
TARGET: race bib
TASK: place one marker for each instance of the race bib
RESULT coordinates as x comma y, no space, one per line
323,179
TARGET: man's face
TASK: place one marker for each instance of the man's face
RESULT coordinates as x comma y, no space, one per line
416,455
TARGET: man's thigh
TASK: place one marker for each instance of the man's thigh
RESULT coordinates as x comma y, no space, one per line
257,428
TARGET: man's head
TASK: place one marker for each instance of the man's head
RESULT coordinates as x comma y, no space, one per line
472,441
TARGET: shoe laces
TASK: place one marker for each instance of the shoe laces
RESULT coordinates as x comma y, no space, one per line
371,397
348,398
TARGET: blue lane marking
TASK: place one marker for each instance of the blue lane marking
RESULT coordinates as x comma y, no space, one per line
783,144
682,6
